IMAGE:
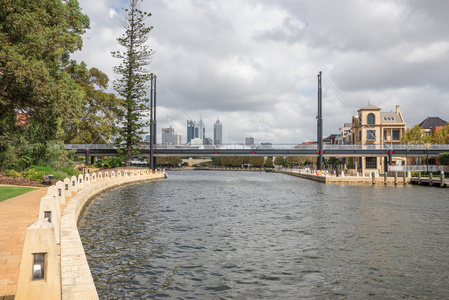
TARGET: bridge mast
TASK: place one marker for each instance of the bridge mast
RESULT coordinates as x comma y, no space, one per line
320,125
152,130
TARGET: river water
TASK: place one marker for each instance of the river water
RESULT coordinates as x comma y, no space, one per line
244,235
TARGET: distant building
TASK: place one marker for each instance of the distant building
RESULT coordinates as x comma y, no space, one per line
267,145
200,131
249,141
170,137
196,142
208,141
432,124
218,140
344,138
190,130
330,140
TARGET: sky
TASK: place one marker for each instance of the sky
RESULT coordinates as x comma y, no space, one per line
253,64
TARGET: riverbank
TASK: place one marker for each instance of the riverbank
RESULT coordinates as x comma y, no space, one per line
348,179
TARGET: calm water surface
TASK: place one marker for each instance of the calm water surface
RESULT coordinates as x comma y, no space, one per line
242,235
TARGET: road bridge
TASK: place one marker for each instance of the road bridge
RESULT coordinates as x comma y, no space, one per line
276,150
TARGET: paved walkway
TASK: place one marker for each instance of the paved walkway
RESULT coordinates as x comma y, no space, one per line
16,214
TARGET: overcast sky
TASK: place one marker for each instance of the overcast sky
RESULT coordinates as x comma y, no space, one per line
254,63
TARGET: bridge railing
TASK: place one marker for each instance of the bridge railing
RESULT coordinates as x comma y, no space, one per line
89,146
271,146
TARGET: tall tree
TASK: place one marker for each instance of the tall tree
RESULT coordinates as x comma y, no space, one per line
415,135
441,136
132,85
36,39
100,112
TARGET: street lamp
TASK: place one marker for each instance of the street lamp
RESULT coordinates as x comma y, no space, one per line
427,156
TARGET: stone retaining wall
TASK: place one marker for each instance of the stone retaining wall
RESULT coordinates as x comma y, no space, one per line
350,179
76,278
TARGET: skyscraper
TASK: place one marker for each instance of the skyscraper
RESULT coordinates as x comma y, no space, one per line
218,140
190,130
201,130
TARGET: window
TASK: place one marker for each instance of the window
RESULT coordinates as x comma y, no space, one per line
395,135
371,162
371,119
385,135
389,119
371,134
360,135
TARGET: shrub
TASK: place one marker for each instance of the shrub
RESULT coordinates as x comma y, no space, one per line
71,171
61,175
110,162
33,174
12,173
46,169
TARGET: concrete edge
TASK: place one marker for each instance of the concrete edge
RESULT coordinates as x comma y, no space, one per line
76,278
349,179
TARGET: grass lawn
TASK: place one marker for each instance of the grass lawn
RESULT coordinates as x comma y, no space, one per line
7,192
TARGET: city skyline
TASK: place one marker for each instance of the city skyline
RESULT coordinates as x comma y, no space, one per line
256,63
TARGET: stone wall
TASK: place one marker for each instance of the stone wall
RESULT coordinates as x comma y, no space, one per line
74,280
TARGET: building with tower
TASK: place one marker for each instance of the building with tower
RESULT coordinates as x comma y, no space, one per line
200,131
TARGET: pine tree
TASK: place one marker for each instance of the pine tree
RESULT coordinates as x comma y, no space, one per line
132,85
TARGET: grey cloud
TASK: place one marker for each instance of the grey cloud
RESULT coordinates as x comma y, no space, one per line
254,63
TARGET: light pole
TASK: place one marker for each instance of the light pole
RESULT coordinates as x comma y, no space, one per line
427,156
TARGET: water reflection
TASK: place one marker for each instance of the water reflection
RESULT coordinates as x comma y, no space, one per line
225,235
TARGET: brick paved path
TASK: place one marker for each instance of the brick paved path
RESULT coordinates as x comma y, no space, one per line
16,214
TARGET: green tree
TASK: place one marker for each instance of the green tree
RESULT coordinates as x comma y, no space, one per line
36,37
415,135
36,95
167,160
100,112
269,162
256,161
280,161
444,158
441,136
301,160
132,85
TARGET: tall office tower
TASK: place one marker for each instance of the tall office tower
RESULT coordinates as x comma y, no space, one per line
201,131
190,130
249,141
218,140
